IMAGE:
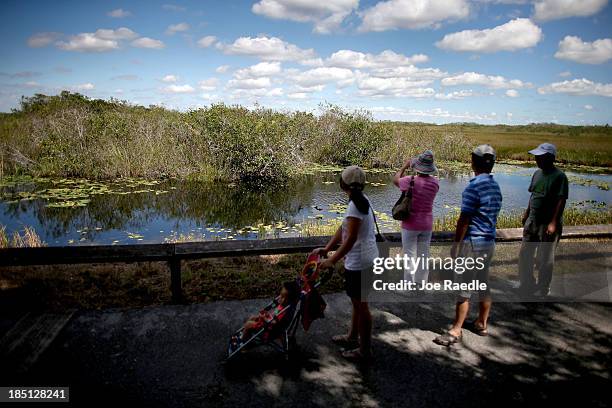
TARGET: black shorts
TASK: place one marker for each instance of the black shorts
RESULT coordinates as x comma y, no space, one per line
352,283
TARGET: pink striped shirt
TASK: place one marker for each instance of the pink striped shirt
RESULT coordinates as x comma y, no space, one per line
423,195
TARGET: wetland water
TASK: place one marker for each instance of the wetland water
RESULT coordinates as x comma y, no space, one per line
79,212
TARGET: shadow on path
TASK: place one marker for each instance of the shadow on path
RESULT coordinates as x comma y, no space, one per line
544,353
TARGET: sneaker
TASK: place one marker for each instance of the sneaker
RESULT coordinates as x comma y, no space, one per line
542,292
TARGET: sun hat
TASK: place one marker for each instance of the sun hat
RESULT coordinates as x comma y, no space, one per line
353,175
424,163
543,149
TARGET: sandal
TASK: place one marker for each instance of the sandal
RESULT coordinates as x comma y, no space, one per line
345,341
447,339
478,329
356,356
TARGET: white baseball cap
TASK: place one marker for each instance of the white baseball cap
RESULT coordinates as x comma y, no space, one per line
481,150
543,149
353,174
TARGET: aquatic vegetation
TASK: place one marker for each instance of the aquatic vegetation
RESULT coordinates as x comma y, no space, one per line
582,181
69,193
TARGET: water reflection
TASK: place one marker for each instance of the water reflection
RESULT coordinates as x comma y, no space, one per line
217,210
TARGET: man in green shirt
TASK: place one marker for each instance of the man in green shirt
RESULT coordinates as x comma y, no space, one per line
542,222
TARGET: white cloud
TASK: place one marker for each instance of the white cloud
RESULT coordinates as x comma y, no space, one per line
146,42
454,95
256,92
297,95
574,49
435,113
565,74
209,84
209,97
275,92
409,72
84,87
177,28
222,69
557,9
412,14
578,87
511,36
88,42
489,81
170,78
323,75
43,39
512,93
119,13
179,89
173,7
503,1
102,40
249,83
207,41
387,58
326,15
394,87
259,70
119,34
588,107
267,49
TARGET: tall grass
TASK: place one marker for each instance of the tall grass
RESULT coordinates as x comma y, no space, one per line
448,222
70,135
29,238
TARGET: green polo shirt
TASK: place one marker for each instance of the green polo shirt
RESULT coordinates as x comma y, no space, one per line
546,188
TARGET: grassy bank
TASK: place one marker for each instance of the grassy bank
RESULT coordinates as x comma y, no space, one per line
68,135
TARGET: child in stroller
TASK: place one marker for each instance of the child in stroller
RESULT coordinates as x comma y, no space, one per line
298,301
270,316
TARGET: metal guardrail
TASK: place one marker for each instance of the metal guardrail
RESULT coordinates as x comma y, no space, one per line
174,253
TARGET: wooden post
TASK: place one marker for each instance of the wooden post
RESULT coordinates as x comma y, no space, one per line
175,280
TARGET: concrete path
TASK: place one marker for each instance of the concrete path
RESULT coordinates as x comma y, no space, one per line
171,356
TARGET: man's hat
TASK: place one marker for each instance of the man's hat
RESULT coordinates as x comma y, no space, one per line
543,149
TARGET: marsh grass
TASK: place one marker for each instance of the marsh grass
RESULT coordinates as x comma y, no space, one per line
577,145
29,238
447,222
69,135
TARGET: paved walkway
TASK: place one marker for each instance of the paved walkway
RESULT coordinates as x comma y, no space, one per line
172,356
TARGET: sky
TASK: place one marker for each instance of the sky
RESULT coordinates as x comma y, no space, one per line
484,61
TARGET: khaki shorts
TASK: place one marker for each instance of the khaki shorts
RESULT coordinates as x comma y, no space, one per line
476,249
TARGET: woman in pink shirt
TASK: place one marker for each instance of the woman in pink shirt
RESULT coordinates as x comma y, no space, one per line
416,230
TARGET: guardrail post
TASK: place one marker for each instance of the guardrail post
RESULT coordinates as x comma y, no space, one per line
175,279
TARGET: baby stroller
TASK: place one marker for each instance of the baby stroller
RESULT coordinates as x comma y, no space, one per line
279,331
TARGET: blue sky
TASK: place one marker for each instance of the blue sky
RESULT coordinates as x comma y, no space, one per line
487,61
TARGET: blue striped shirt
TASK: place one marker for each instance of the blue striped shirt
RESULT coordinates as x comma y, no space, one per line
482,200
